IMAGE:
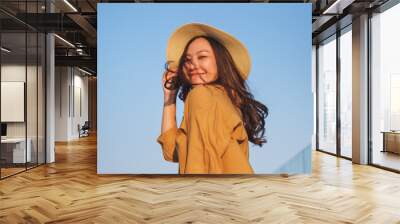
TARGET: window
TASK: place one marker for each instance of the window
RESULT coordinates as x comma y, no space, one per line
385,88
346,92
327,95
22,78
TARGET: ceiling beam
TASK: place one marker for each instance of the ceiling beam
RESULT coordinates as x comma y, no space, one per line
86,26
83,61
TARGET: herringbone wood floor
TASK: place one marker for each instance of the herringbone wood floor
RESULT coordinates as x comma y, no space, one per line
70,191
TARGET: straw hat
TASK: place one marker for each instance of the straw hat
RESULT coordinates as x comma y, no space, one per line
179,39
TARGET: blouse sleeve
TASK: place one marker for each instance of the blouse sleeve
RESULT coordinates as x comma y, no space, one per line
167,140
210,124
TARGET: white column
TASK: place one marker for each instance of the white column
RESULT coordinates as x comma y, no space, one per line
50,91
50,110
360,90
314,92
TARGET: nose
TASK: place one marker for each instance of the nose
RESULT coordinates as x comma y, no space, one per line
192,64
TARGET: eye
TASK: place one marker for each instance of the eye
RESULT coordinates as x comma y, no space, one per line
202,56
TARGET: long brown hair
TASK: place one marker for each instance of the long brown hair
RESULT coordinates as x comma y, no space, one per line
253,111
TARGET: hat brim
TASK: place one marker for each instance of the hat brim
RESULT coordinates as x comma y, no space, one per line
179,39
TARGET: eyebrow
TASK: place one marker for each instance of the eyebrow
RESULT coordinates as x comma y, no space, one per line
198,52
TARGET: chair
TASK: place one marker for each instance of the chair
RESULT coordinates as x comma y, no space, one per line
84,130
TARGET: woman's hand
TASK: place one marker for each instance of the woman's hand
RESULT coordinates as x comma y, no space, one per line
169,109
169,95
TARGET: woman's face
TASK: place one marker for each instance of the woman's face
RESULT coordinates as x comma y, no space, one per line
200,65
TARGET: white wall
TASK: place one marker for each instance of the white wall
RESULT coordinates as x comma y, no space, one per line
70,83
12,73
33,127
61,103
79,117
16,72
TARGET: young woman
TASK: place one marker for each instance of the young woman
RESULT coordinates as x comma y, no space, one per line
207,70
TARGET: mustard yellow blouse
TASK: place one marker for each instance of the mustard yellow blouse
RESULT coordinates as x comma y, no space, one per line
211,138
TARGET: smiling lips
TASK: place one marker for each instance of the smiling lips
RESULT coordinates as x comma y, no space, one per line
194,74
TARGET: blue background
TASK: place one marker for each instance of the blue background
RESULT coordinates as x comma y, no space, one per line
132,41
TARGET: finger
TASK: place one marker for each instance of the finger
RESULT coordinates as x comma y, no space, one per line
164,76
170,75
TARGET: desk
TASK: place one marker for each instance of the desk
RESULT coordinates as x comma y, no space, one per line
391,141
15,148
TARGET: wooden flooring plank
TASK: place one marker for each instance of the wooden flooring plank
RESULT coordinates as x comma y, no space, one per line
70,191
